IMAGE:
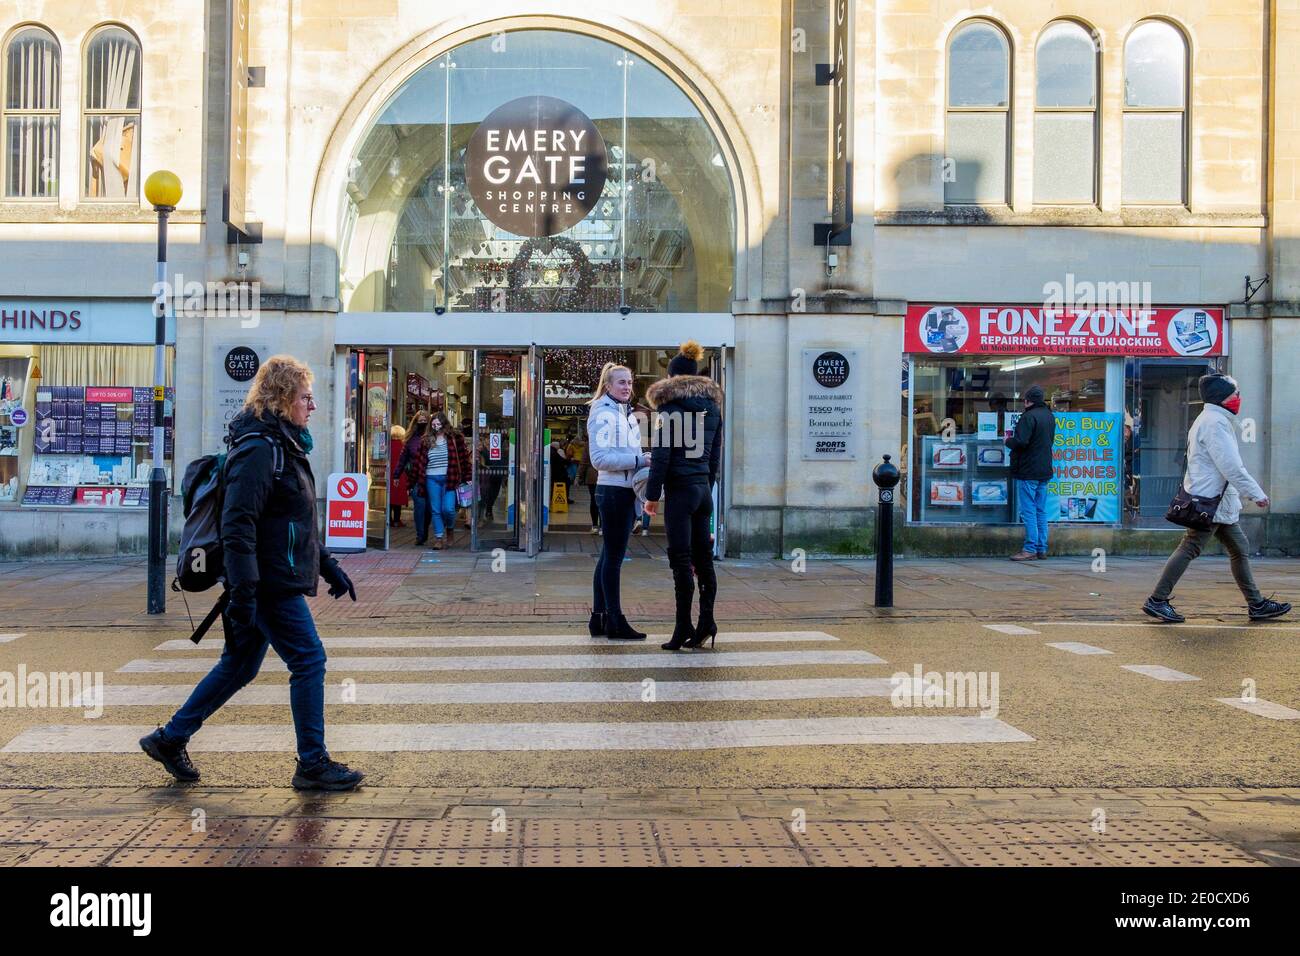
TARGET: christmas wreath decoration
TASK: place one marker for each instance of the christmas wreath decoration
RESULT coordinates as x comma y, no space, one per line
571,299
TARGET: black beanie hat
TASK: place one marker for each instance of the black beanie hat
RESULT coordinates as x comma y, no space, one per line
1216,388
1034,393
687,360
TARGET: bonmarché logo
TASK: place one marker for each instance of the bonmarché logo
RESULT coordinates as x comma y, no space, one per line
536,166
74,909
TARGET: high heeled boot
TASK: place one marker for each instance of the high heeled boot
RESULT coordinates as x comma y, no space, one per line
596,626
707,629
618,629
684,589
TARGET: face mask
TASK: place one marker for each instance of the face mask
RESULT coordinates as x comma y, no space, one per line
1233,404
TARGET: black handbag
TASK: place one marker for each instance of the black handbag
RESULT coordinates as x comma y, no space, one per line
1193,511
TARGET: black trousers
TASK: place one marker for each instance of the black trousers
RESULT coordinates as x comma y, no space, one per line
617,515
687,510
595,506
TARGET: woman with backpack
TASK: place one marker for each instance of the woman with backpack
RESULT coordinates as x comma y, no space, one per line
273,556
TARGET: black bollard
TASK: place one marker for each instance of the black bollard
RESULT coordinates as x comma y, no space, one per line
885,475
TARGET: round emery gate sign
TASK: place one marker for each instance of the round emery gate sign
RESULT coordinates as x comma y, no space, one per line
536,166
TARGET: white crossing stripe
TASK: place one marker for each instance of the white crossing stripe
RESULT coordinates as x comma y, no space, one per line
647,735
1206,626
1158,671
1076,647
523,692
1010,629
514,640
6,638
661,660
1262,708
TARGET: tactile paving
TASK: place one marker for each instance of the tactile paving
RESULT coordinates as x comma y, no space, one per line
1126,830
91,856
723,833
1005,834
455,835
241,832
872,834
1039,854
733,856
588,833
1176,854
76,832
268,856
174,856
458,857
331,833
591,856
870,855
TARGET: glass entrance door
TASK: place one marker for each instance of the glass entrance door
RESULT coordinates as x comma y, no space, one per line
495,522
373,417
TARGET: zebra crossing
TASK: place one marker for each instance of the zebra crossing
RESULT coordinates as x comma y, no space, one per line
565,670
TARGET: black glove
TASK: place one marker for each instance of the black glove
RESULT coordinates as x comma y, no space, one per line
340,584
240,619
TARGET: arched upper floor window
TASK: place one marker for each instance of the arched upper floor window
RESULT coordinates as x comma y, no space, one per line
31,115
1155,115
1065,115
111,106
978,115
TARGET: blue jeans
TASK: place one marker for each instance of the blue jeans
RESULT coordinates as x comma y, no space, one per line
1031,497
285,624
617,516
441,503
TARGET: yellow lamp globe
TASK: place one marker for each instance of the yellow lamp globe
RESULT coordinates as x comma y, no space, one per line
163,188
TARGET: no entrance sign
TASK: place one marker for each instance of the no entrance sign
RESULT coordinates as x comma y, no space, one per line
345,512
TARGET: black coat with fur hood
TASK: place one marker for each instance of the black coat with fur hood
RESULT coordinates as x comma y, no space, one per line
686,447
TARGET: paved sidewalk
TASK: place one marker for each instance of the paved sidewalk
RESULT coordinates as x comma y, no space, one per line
450,588
651,827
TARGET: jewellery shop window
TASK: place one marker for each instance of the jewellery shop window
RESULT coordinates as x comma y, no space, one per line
76,424
960,412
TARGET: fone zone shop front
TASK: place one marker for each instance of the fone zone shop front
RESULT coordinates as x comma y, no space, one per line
513,219
1122,384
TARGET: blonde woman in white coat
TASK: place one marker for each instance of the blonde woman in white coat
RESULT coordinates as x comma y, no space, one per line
1214,467
614,443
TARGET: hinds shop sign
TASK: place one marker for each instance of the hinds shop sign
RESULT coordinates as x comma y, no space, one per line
1040,330
536,166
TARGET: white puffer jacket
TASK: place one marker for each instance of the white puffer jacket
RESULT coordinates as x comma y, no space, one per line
614,442
1214,460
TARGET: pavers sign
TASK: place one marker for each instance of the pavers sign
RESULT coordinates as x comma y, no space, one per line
536,166
1040,330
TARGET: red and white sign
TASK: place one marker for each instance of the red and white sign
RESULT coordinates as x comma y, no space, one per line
1068,330
494,446
110,395
345,512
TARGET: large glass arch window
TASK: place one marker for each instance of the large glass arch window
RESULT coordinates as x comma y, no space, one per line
1065,117
979,112
112,116
31,115
1155,115
659,236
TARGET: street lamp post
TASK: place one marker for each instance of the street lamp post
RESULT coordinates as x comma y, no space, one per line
163,191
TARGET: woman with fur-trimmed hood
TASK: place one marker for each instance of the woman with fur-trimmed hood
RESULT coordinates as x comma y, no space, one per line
687,449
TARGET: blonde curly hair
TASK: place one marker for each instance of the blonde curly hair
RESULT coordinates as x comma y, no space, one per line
276,384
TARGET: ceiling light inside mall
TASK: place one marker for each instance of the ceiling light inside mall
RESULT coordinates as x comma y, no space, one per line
717,160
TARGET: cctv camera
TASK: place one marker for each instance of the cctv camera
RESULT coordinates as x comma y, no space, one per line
625,310
440,309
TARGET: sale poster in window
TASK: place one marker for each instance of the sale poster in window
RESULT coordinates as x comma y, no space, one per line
1087,468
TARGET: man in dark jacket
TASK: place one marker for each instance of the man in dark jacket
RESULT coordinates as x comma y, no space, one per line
1031,469
272,556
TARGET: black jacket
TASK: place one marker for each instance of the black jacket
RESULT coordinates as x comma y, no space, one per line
683,453
269,529
1031,444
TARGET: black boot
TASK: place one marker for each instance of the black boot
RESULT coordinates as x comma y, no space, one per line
707,629
171,755
597,624
618,629
326,774
684,589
